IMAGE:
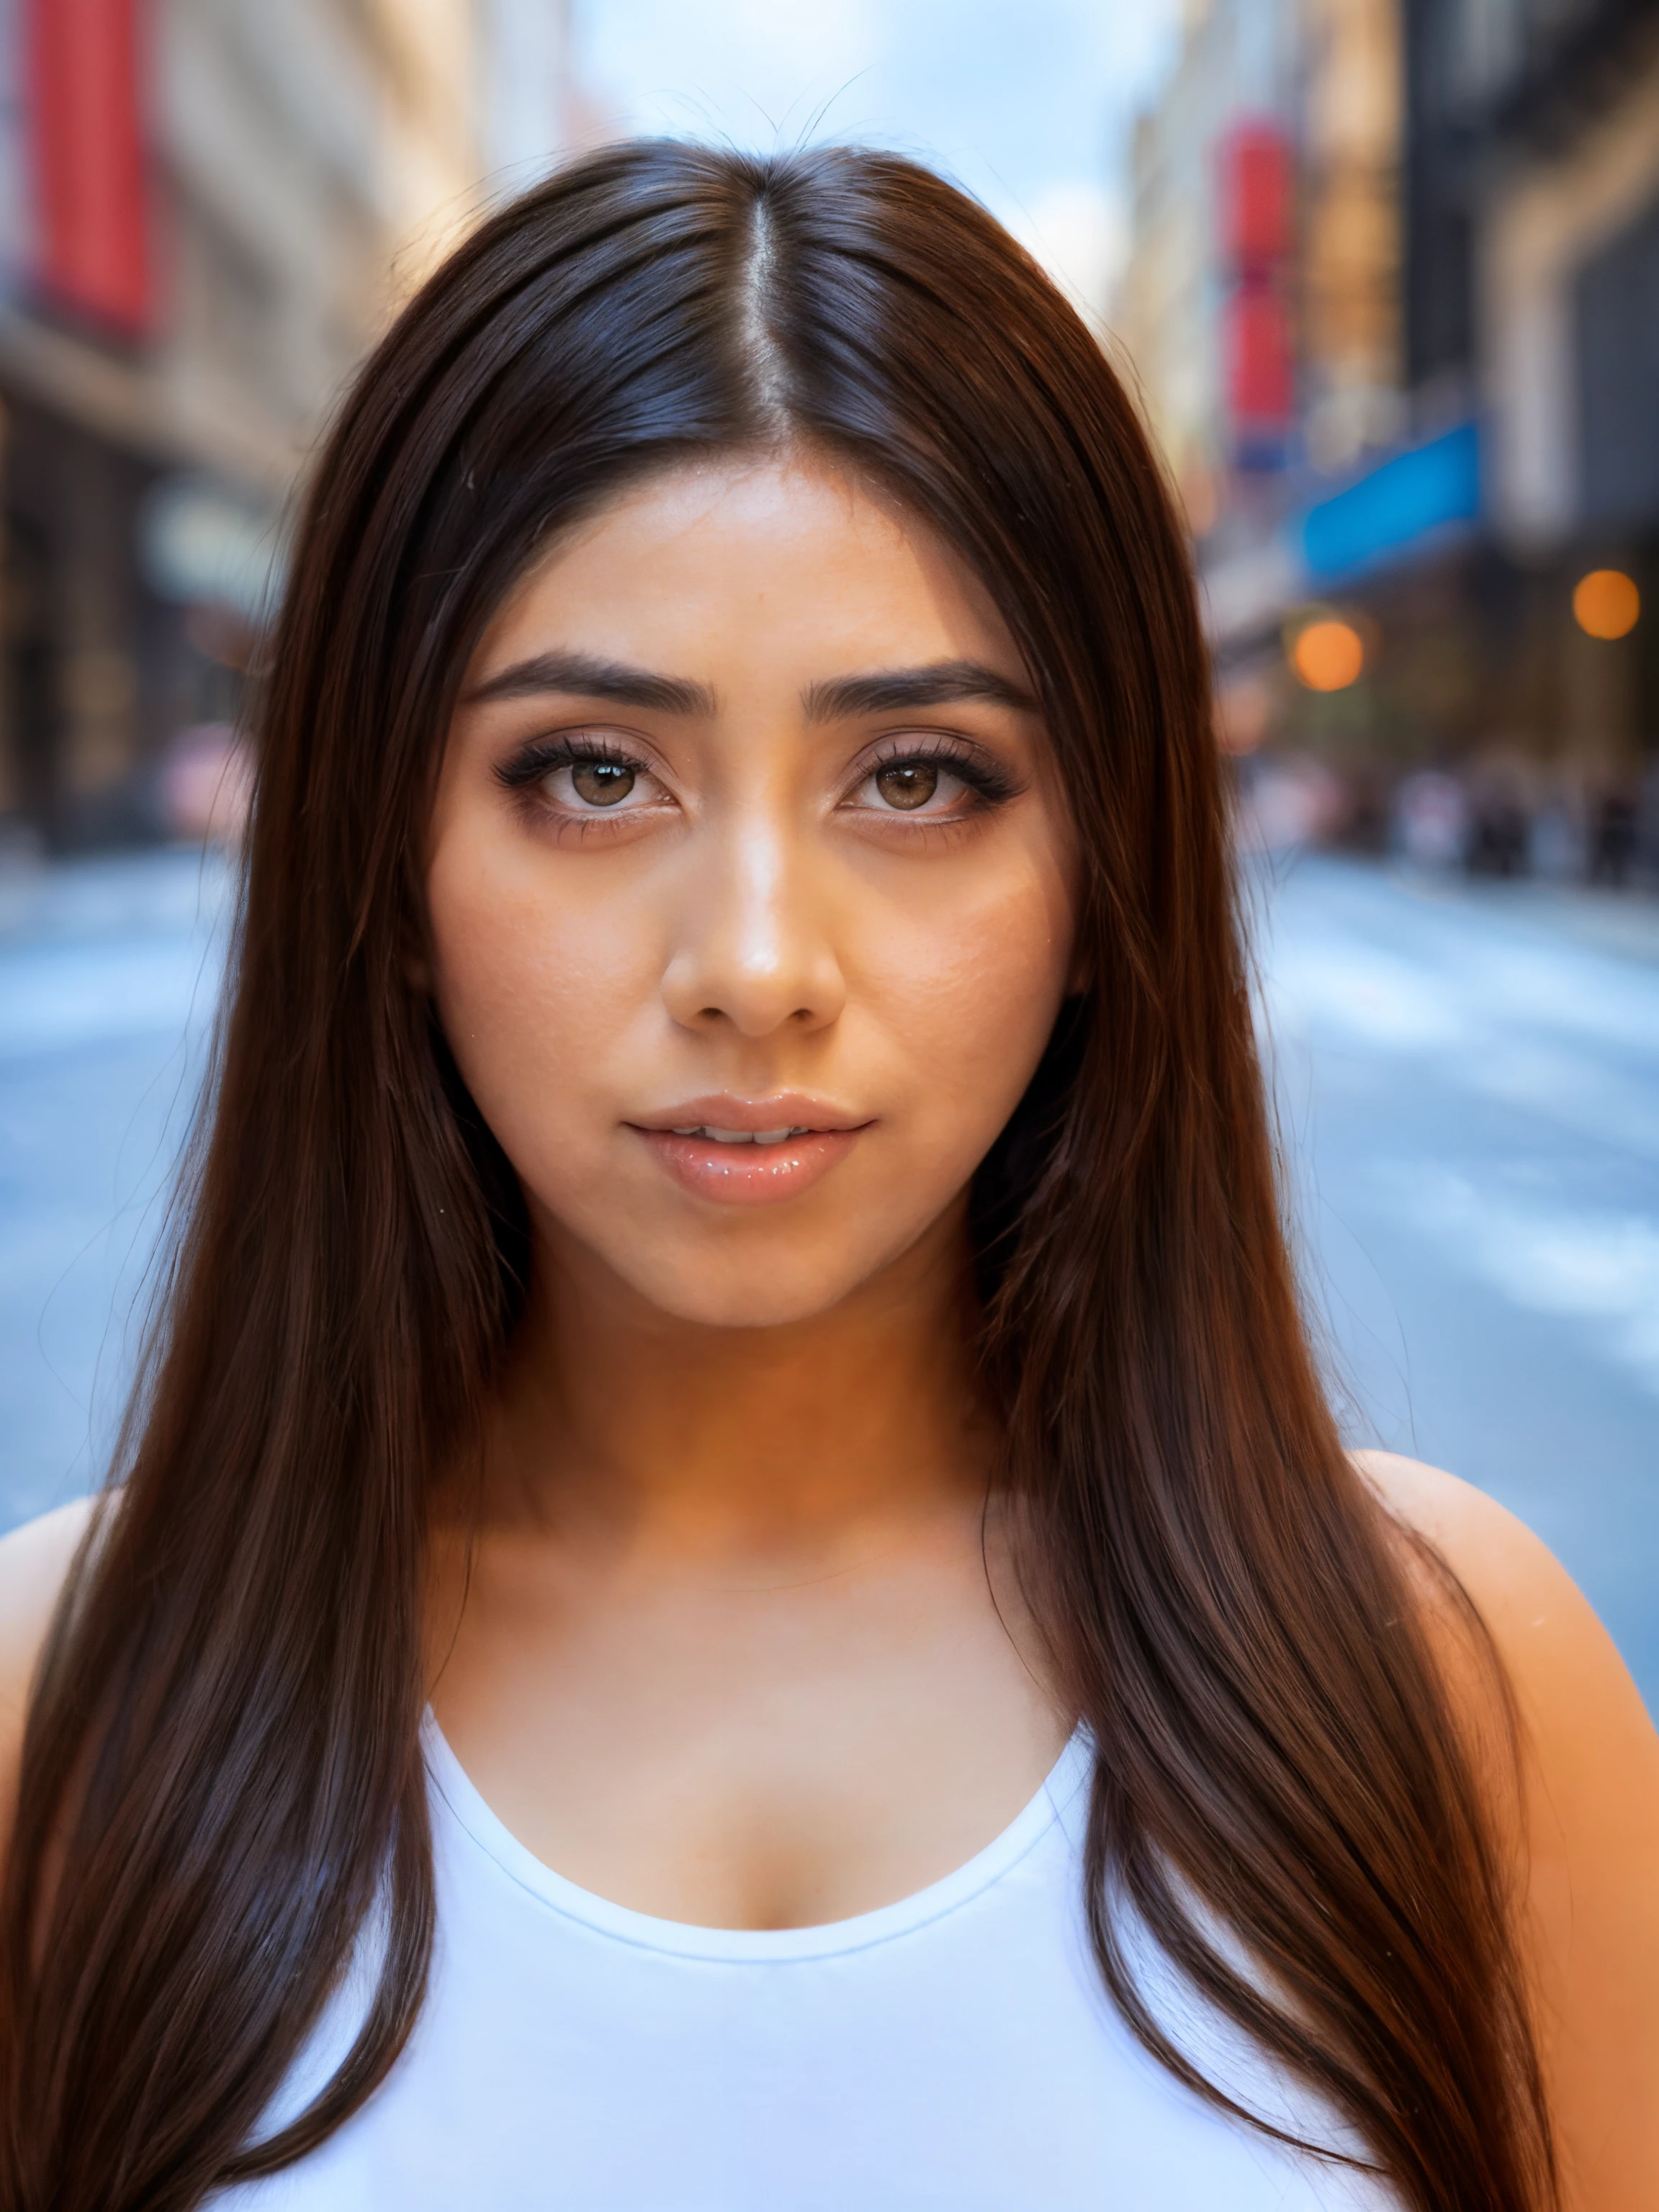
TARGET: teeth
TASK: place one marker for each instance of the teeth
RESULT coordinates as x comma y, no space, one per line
743,1136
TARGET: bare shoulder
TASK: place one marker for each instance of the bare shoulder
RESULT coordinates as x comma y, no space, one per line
1567,1677
1589,1816
33,1562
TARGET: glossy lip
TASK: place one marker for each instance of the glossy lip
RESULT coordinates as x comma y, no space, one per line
750,1175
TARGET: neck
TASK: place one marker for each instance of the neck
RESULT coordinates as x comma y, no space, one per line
620,1424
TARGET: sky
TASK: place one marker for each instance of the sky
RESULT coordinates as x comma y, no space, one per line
1028,103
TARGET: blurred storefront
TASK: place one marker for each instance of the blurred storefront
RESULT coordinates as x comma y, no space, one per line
1462,479
207,209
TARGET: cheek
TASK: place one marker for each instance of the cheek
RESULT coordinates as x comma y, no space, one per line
530,988
972,992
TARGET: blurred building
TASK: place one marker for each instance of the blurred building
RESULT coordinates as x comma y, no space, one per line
1261,301
208,208
1465,424
1349,250
1236,69
1536,198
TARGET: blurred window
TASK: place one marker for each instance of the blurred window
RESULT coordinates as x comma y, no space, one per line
1618,335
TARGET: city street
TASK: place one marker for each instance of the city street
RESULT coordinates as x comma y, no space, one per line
1468,1091
108,976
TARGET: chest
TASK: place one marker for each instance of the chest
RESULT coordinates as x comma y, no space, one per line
953,2051
768,1757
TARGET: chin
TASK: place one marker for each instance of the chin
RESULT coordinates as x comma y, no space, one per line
721,1296
749,1270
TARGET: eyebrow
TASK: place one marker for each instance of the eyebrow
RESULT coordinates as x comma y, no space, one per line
584,675
894,690
882,691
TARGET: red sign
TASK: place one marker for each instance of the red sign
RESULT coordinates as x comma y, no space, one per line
87,147
1256,224
1257,208
1260,377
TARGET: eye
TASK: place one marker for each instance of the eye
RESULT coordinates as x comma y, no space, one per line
907,784
576,778
947,782
602,782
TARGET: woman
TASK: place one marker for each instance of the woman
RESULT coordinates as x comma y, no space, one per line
732,1333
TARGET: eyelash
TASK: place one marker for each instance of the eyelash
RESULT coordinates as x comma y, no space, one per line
545,757
991,783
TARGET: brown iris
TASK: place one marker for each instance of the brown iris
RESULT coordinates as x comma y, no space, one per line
601,783
907,784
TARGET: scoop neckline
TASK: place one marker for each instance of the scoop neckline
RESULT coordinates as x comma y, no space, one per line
756,1945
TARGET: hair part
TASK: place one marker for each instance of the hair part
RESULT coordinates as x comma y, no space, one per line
223,1768
768,373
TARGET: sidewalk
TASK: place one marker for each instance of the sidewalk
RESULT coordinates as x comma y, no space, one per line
1624,922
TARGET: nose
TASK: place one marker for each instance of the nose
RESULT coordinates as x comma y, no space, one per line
754,947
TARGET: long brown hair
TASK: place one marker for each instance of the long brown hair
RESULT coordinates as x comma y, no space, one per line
222,1778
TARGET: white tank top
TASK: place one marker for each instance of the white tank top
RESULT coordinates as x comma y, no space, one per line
955,2052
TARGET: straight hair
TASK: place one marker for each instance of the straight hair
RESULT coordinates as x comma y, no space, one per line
222,1781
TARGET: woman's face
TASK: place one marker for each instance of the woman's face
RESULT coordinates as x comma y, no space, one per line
750,889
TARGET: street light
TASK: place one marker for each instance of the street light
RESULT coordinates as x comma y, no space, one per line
1606,603
1328,656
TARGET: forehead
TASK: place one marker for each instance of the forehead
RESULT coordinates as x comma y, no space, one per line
757,557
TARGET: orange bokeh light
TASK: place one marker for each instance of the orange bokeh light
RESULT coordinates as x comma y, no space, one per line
1328,656
1606,603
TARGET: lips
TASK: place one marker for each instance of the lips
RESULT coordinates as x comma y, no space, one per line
749,1151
